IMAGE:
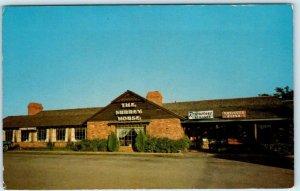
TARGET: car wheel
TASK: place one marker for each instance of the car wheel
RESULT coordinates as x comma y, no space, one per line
5,148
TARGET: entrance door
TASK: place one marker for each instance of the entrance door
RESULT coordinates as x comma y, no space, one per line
129,139
128,133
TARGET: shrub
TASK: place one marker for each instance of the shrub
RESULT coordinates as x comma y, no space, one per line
71,146
113,142
150,145
184,143
140,142
102,144
165,145
50,146
90,145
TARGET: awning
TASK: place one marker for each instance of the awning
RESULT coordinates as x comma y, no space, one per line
234,120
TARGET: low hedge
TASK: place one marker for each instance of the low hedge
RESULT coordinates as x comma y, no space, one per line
143,143
89,145
165,145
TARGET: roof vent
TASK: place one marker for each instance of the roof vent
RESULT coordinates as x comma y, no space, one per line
155,97
34,108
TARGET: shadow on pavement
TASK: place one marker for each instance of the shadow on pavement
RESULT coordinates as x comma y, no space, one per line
268,160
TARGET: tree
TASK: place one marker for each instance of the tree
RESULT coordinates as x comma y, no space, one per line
282,93
140,141
113,142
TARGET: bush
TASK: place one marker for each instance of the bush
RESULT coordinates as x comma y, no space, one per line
50,146
102,145
165,145
184,143
113,143
89,145
71,146
140,142
150,145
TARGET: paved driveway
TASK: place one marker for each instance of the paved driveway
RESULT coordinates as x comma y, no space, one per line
193,170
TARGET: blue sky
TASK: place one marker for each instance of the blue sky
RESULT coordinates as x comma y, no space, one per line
85,56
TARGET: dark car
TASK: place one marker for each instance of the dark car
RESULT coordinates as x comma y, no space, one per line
7,145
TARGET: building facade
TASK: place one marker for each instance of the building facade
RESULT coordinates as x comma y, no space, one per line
244,121
126,116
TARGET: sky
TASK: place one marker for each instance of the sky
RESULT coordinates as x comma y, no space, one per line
85,56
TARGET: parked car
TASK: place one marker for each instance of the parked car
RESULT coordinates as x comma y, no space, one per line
7,145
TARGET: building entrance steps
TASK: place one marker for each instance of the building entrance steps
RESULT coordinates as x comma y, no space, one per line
126,149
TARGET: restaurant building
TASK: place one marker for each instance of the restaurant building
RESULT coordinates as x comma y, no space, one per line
239,121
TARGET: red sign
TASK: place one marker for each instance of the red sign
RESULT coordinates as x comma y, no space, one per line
234,114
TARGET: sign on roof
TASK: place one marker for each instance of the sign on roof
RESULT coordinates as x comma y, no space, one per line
201,114
233,114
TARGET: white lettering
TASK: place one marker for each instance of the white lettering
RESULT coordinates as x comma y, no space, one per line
129,118
128,105
201,114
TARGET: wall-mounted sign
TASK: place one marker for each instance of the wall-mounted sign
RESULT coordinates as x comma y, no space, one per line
28,128
234,114
129,114
201,114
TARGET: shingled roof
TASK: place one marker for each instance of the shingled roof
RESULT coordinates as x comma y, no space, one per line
66,117
255,107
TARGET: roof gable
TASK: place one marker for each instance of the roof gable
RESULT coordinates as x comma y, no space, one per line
142,108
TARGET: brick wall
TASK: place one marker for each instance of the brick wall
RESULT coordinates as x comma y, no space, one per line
60,144
38,144
99,130
169,128
30,144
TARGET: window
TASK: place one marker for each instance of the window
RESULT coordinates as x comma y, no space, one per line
41,134
24,136
9,135
80,133
128,133
60,134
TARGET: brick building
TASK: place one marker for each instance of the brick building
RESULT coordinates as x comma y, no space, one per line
248,120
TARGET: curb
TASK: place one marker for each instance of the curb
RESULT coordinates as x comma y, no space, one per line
94,153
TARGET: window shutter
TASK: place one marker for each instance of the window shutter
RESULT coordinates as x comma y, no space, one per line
66,134
73,134
18,135
13,136
30,136
34,136
47,135
53,135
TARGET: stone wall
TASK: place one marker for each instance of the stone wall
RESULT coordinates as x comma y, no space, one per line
99,130
169,128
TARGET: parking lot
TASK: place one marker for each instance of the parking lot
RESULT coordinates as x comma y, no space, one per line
121,171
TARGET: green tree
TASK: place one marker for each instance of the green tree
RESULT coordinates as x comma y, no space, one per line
140,141
282,93
113,142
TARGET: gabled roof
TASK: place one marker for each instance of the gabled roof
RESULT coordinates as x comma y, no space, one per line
255,107
66,117
130,96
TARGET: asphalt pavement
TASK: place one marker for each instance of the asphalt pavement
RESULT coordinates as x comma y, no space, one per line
38,170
